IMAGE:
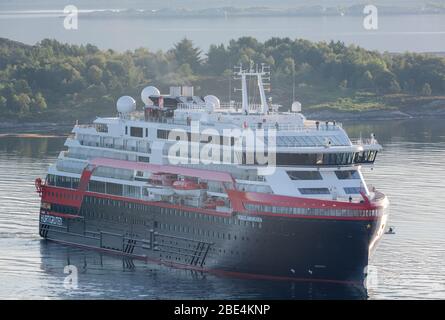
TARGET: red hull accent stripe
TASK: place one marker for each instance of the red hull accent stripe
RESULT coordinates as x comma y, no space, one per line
240,197
65,196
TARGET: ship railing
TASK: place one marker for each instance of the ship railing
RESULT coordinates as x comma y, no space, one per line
315,211
224,106
90,143
295,127
364,142
374,194
191,106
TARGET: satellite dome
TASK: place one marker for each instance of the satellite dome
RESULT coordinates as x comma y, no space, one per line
212,99
126,104
148,92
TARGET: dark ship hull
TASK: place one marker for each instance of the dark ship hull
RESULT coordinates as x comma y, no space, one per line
270,246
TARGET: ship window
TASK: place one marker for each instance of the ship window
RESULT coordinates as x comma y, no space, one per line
365,156
304,175
314,190
347,174
163,134
352,190
96,186
136,132
290,159
126,130
114,188
146,132
101,127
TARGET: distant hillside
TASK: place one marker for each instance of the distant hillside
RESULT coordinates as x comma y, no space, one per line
52,81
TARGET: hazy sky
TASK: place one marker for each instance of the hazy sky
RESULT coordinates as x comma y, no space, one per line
195,4
420,33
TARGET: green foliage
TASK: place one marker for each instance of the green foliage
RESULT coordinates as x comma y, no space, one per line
186,54
51,78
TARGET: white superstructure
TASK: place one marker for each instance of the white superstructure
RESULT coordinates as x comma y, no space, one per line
314,159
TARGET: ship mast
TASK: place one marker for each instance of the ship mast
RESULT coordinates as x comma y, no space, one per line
259,72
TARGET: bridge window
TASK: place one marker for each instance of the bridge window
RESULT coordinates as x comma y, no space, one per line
365,156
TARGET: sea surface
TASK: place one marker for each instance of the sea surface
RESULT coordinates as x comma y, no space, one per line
407,265
398,33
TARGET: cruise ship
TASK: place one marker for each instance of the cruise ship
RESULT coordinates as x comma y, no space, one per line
239,188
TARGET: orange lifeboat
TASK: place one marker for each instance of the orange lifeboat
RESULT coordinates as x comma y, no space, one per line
162,179
188,187
213,203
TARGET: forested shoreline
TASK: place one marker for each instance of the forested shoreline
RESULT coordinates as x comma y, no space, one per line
62,82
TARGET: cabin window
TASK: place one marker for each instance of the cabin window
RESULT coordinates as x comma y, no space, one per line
136,132
101,127
163,134
314,190
304,175
96,186
352,190
347,174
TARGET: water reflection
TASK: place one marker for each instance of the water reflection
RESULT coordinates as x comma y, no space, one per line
33,148
106,276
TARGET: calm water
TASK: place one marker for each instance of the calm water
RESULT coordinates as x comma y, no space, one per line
408,264
420,33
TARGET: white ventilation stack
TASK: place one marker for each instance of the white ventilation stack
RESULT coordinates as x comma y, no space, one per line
175,91
296,106
187,91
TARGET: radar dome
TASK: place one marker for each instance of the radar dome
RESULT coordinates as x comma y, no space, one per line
212,99
126,104
149,92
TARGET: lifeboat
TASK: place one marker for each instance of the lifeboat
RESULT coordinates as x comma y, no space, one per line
213,203
160,191
162,179
189,187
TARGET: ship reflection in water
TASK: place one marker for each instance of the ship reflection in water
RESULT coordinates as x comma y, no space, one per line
106,276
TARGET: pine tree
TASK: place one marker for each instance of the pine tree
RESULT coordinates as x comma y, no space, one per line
185,53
